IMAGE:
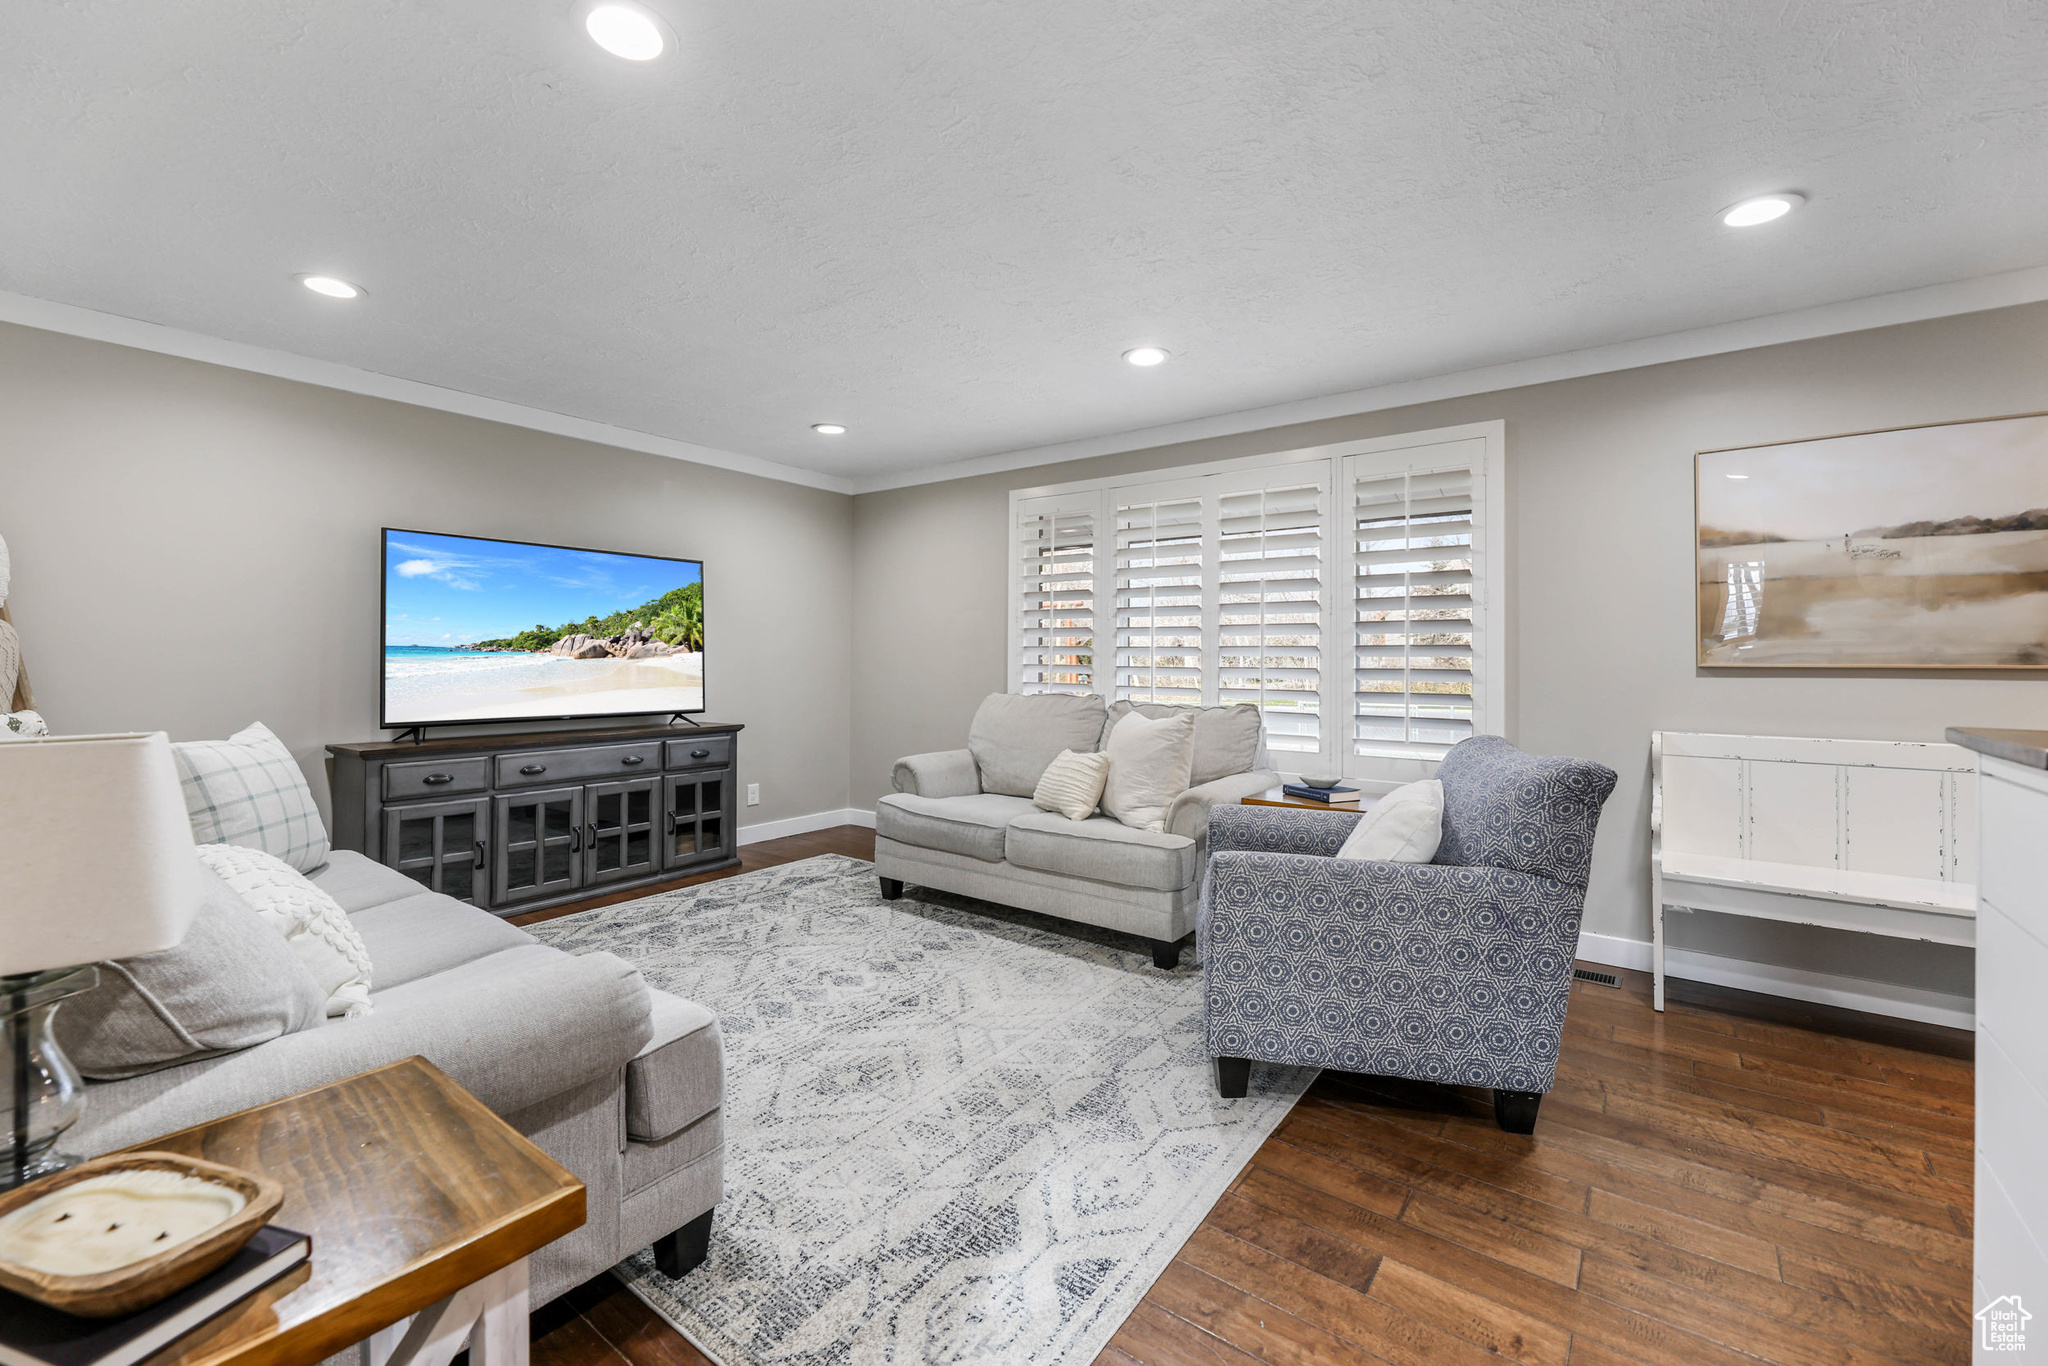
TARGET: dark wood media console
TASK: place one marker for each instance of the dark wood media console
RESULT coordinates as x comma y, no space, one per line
513,823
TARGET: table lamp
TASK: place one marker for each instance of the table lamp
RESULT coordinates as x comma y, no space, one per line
96,862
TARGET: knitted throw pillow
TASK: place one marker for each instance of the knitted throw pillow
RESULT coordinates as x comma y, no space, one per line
311,921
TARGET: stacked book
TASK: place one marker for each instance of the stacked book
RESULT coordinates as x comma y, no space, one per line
1328,796
33,1334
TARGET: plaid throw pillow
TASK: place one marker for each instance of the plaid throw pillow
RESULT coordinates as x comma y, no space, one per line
248,790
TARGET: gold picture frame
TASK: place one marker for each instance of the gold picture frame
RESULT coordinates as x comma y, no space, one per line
1921,547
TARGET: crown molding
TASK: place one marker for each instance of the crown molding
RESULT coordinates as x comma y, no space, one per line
1854,315
1824,320
172,341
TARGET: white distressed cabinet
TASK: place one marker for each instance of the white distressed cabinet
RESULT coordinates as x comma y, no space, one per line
2011,1264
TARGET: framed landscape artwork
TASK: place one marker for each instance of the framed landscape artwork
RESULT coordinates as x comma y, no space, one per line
1918,548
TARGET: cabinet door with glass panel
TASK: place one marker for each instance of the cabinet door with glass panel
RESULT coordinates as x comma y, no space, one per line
697,824
620,829
440,845
538,843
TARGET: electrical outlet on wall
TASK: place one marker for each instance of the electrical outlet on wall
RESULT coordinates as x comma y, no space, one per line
753,794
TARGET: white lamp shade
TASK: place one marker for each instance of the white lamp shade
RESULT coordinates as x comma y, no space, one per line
96,854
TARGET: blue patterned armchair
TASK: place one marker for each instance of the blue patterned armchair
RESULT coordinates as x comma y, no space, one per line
1454,971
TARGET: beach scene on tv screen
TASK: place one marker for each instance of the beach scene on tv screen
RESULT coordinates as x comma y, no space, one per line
486,630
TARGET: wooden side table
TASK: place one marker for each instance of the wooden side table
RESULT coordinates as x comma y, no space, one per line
1277,796
423,1207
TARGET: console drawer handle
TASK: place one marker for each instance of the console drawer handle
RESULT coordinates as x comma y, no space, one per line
700,754
534,768
632,759
436,779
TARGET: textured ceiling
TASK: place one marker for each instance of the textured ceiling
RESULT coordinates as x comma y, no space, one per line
940,223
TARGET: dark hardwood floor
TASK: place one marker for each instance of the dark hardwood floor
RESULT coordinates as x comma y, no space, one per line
1740,1179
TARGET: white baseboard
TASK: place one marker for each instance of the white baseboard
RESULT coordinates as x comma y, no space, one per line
1798,984
804,825
1614,951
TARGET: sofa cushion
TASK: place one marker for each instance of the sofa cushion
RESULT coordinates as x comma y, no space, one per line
678,1077
1016,736
231,983
1226,738
960,825
427,933
248,790
356,881
513,1029
1103,850
648,1164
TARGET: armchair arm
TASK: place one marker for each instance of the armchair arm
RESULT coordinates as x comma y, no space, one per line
1279,829
1399,969
943,773
1190,813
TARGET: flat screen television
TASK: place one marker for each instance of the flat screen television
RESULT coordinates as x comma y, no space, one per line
479,630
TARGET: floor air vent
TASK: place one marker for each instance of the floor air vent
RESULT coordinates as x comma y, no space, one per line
1605,979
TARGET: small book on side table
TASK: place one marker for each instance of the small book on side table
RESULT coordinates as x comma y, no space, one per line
1329,796
36,1335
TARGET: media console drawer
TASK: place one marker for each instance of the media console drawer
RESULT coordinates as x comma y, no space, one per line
700,753
542,766
440,779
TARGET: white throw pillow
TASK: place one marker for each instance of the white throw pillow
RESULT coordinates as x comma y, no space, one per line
1404,826
1149,764
248,790
1072,784
310,920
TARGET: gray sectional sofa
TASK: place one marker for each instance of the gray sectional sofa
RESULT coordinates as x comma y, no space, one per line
619,1083
963,820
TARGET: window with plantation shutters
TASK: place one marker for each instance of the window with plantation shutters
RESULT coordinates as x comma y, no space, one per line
1350,592
1412,599
1055,547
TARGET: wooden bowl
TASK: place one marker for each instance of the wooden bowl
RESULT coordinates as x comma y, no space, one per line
125,1289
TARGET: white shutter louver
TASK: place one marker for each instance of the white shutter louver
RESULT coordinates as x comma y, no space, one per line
1056,613
1159,601
1270,605
1413,598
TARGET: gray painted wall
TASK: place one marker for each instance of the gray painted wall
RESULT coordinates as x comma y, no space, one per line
1600,608
196,548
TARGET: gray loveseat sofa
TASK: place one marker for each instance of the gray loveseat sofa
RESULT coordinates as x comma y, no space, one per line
963,821
619,1083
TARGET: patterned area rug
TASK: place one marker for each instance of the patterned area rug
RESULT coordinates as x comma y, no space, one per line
953,1133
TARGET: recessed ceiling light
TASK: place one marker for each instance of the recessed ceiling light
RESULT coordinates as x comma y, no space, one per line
330,286
626,30
1145,355
828,429
1762,209
1738,476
